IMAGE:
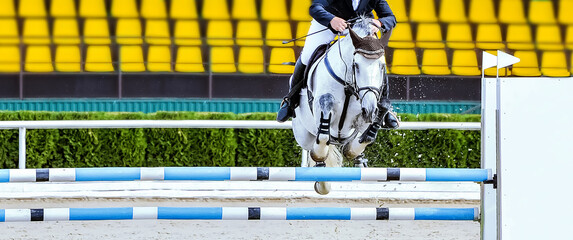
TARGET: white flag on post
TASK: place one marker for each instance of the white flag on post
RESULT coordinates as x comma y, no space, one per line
504,59
488,60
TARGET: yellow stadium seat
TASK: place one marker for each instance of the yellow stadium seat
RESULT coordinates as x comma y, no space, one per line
98,59
219,33
157,32
541,12
244,10
7,8
482,11
423,11
564,12
32,8
489,37
277,32
459,36
554,64
548,37
68,59
159,59
569,37
9,31
435,62
401,36
153,9
131,59
183,9
399,9
274,10
128,31
280,56
187,33
528,66
301,30
215,10
124,9
223,60
9,59
452,11
63,8
511,11
189,59
249,33
251,60
429,35
36,31
519,37
66,31
404,62
96,31
38,59
464,63
299,10
92,8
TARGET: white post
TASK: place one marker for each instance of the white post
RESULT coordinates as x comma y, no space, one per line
22,148
488,147
488,158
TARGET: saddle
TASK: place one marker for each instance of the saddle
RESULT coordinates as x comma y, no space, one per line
316,55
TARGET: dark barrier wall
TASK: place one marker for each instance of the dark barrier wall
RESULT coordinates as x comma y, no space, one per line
448,88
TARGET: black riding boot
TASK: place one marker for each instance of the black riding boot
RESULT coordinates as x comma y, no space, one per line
291,100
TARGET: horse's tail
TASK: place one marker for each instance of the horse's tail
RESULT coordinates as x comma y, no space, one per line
334,158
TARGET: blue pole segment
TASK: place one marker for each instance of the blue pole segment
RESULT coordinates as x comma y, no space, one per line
453,174
4,175
101,213
108,174
318,214
2,215
198,173
327,174
444,214
190,213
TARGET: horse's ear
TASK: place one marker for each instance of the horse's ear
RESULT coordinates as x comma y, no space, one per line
355,38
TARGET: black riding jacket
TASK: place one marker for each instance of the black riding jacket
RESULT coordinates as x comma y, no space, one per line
324,11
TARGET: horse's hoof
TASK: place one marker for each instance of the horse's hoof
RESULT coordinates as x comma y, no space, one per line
361,162
322,188
320,164
361,165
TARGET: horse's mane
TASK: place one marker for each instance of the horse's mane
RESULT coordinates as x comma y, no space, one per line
362,26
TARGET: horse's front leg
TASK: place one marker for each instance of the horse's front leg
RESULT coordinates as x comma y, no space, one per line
320,151
355,148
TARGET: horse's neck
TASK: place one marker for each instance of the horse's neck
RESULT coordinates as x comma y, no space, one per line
343,48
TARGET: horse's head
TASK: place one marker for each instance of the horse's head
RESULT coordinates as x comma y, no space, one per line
369,66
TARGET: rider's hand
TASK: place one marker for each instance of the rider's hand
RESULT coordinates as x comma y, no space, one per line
377,27
338,24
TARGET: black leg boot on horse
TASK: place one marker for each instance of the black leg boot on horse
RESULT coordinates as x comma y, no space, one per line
291,100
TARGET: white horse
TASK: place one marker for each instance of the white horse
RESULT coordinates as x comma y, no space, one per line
340,105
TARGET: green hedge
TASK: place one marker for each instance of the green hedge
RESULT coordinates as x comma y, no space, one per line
221,147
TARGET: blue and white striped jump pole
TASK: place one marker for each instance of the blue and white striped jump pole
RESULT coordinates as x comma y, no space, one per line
237,213
244,174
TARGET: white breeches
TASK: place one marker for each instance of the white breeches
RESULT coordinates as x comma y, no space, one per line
313,41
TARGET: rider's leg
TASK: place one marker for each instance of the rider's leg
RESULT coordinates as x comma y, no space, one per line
290,101
385,106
